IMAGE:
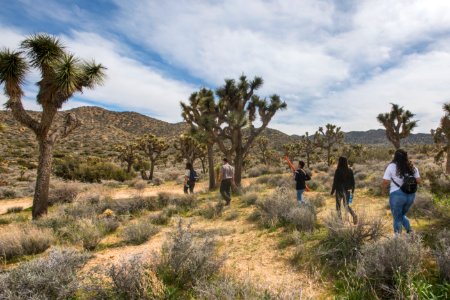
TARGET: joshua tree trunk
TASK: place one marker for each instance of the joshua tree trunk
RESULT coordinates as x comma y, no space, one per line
307,159
396,144
212,175
144,175
238,161
152,168
129,164
40,203
329,156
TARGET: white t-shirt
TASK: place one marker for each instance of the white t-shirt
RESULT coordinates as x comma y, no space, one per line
391,173
187,173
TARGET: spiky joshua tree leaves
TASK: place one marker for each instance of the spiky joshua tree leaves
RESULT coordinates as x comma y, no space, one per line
189,149
154,148
398,124
327,139
238,109
127,153
62,75
441,137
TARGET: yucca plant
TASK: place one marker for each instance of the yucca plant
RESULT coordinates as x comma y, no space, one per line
62,75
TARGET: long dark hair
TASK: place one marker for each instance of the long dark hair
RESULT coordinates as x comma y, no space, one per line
342,167
189,166
404,165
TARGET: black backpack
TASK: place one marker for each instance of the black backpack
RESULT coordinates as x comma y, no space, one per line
409,185
193,177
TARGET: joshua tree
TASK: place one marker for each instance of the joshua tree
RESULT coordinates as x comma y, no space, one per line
398,124
190,149
201,115
306,145
127,153
262,146
441,137
154,149
62,75
353,151
238,109
329,138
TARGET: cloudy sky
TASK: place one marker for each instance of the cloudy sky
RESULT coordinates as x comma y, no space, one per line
338,62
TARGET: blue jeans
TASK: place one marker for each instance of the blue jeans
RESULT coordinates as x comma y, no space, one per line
300,196
400,204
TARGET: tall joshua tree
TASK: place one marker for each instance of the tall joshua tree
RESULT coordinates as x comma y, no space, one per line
238,108
398,124
328,138
128,153
189,148
201,114
62,75
154,149
441,137
307,146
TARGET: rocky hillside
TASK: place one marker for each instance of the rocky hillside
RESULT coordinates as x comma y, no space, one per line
102,129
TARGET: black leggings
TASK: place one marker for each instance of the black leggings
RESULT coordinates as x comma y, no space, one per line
189,186
344,196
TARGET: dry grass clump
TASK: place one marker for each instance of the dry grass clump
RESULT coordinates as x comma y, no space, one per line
14,209
442,254
213,210
343,241
249,198
15,241
134,279
50,277
162,217
385,262
257,171
139,232
302,218
423,205
64,193
317,200
128,206
185,261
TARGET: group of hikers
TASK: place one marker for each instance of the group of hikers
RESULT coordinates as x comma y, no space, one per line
401,176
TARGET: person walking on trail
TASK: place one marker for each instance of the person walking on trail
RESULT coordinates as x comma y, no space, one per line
300,181
344,186
403,179
226,181
190,176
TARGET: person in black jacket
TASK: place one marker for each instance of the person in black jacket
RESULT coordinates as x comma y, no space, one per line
300,181
343,184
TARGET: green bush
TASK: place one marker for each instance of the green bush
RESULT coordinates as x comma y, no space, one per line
139,232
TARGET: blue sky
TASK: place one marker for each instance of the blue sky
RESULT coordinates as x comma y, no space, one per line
332,61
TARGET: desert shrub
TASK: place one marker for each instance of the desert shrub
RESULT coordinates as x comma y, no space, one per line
439,183
183,202
139,232
15,242
7,193
316,200
82,231
255,187
442,254
249,198
14,209
302,218
233,215
423,205
185,261
161,218
134,279
50,277
90,169
322,166
274,210
129,205
213,210
343,241
227,288
257,171
108,224
313,185
262,180
290,239
157,181
164,199
384,262
280,181
64,193
140,185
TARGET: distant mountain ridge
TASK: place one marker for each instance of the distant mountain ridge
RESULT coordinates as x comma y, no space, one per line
102,128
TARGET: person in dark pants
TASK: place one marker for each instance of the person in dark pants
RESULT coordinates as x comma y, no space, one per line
189,179
226,181
300,181
343,184
400,202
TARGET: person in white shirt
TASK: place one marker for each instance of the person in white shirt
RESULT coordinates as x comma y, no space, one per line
226,181
400,202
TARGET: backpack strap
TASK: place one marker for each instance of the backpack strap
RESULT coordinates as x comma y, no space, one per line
392,179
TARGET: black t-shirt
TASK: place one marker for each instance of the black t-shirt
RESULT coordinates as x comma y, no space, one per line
343,181
300,178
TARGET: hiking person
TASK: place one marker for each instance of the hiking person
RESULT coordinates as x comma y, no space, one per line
300,181
226,180
344,186
403,179
190,176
